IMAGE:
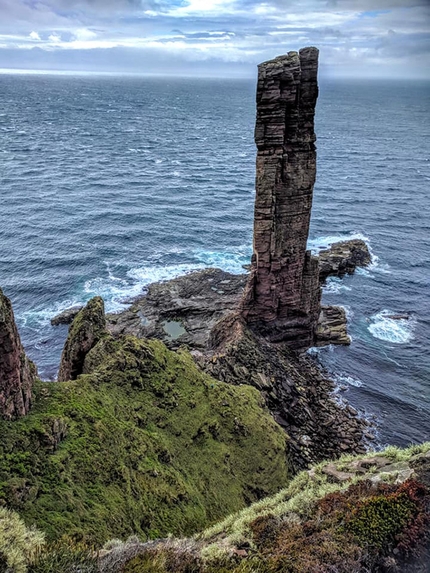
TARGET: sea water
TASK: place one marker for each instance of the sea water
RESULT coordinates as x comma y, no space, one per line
110,183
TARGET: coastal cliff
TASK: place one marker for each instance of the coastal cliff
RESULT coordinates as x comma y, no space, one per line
17,372
197,413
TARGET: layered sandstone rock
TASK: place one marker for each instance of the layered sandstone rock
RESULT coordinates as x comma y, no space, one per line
343,258
88,327
17,372
282,299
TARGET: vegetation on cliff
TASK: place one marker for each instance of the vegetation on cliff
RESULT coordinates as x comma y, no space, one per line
357,515
145,444
365,514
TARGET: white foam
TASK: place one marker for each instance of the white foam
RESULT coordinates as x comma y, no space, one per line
231,262
114,293
39,318
376,265
335,285
391,330
350,380
363,272
149,274
320,243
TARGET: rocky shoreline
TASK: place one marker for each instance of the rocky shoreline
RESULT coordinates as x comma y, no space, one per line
196,311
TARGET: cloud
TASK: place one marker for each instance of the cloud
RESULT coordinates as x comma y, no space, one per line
353,35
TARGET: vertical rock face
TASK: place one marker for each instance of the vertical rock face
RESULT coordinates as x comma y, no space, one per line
282,298
17,372
88,327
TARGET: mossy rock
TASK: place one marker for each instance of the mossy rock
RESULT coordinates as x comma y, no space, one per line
145,443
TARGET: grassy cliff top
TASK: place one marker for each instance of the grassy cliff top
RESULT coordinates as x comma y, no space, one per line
144,443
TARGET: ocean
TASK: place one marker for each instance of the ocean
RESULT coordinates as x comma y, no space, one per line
110,183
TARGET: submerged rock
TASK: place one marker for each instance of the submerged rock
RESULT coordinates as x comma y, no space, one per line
17,372
343,258
88,327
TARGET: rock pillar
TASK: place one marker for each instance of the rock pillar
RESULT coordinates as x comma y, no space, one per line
282,298
17,372
87,328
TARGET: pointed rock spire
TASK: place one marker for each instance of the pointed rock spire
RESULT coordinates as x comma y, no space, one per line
88,327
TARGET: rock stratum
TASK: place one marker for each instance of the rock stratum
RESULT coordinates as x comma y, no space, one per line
282,297
17,372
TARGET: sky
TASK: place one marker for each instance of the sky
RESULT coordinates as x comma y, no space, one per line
225,38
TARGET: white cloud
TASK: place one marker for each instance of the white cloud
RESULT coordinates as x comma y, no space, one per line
54,38
84,34
352,33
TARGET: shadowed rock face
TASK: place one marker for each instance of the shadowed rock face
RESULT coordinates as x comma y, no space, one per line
17,372
88,327
282,299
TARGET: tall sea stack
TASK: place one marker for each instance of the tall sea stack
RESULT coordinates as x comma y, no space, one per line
282,298
17,372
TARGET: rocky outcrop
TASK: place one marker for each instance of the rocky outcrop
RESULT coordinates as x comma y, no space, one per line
66,316
181,310
88,327
343,258
296,391
203,307
331,327
17,372
282,299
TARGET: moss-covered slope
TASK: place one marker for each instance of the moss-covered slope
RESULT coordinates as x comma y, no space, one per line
145,443
368,514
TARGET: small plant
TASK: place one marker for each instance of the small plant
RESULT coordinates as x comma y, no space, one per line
66,556
18,543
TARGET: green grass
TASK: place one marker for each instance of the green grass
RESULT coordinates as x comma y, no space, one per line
144,444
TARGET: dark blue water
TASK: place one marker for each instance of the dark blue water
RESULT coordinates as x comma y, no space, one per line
107,184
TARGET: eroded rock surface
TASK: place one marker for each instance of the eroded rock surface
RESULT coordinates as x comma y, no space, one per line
331,328
343,258
296,391
182,310
282,298
17,372
88,327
